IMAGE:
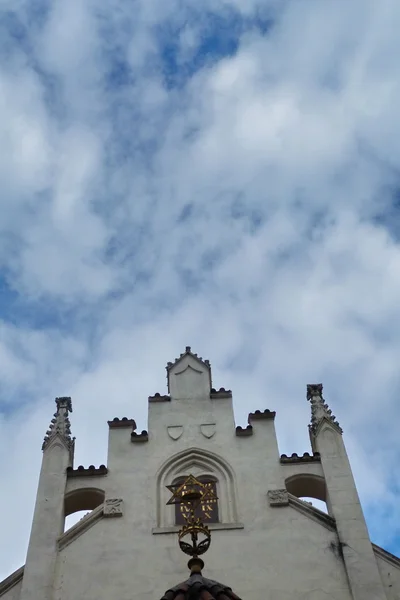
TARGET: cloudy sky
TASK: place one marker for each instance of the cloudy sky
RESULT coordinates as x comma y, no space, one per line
222,174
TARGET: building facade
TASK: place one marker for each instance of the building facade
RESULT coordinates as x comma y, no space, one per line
267,543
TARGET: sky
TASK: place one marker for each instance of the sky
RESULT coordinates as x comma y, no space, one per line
223,174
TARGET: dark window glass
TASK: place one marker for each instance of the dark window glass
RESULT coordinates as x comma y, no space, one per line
207,510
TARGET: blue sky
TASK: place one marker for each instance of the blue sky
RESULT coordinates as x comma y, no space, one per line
222,174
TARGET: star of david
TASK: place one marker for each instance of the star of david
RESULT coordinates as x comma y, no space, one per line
178,491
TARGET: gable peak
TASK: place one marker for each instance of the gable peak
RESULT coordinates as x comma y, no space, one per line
188,362
188,352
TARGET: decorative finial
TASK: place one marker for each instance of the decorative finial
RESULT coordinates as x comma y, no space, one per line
192,493
314,389
319,409
60,425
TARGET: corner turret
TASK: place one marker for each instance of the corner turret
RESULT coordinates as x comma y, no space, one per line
48,518
342,499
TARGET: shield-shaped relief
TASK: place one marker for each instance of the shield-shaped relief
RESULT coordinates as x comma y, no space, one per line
208,429
175,431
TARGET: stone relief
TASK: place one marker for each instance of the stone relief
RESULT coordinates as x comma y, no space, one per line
175,431
278,497
208,430
113,507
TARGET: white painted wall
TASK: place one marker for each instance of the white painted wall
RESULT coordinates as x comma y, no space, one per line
262,552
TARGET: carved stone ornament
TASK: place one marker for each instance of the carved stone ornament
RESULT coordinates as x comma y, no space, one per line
208,430
319,409
60,425
278,497
113,507
175,431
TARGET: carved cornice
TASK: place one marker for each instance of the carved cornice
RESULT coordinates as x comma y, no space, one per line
259,415
60,425
244,431
219,394
319,409
91,471
295,458
11,580
117,423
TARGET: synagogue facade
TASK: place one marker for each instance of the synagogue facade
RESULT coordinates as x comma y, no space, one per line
266,542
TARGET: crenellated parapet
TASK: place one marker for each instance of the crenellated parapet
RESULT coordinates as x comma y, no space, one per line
260,415
157,397
221,393
296,459
123,423
90,471
244,431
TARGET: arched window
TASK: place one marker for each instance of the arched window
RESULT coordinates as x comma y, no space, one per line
78,502
207,510
309,488
208,467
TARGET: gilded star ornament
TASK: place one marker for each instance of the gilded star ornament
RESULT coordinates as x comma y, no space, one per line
191,491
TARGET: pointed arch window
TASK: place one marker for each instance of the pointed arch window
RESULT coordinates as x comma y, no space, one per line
207,510
210,468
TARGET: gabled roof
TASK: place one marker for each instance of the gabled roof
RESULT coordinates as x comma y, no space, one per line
188,351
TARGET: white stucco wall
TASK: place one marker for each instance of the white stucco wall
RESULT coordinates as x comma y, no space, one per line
278,554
